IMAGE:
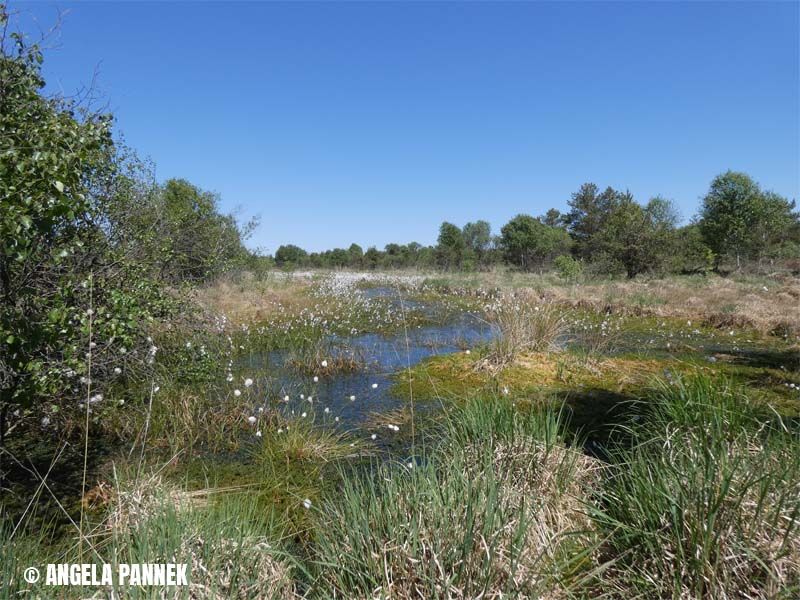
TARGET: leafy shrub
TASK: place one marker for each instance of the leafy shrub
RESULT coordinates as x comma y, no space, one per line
568,267
91,249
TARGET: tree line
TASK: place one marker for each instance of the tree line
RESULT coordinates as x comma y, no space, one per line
605,232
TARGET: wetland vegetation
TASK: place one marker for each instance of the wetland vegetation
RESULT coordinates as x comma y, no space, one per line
602,404
324,440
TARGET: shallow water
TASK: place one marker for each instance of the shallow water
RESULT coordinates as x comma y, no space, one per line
385,356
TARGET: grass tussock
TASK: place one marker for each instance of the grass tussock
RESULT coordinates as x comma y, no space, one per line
18,551
232,546
298,463
496,511
179,420
524,324
707,502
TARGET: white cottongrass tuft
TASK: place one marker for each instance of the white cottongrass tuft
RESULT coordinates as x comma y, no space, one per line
306,503
248,382
324,364
258,433
352,398
237,393
374,386
251,420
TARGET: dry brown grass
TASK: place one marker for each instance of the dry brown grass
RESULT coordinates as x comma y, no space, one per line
246,300
738,300
169,524
525,324
716,301
556,481
713,300
497,512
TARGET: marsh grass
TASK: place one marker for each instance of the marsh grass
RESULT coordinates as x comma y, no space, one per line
181,419
702,501
739,300
524,325
706,502
300,461
493,511
233,546
322,357
16,554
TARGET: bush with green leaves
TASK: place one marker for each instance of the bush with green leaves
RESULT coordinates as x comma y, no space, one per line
92,249
49,244
529,244
568,267
739,221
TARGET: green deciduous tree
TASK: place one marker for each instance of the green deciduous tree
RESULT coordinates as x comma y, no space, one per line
691,254
372,258
76,249
49,150
740,221
528,243
450,247
730,209
290,255
198,242
478,239
637,238
356,255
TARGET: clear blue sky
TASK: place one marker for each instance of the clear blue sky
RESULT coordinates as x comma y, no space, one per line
375,122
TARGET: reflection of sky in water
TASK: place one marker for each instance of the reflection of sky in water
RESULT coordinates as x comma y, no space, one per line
385,356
